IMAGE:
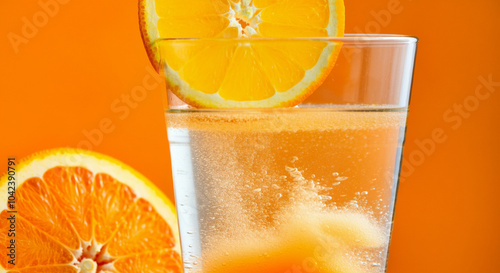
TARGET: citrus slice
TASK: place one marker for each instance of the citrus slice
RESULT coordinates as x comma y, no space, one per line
80,211
249,70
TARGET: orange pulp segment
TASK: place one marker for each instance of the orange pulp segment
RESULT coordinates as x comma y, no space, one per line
236,73
79,211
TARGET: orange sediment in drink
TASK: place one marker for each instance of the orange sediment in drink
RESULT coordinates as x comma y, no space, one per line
309,241
286,190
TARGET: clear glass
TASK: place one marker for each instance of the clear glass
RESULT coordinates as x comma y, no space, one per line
309,188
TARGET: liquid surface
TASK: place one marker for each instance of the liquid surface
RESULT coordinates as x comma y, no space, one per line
283,191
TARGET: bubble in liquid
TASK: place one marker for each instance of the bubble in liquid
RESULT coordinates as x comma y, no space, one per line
364,193
341,178
335,174
294,159
325,197
276,187
279,195
257,190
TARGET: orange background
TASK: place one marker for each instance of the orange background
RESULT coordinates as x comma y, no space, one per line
77,67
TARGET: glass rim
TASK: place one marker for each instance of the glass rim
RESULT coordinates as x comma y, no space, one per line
351,38
300,108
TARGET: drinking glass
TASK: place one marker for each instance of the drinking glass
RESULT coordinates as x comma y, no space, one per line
308,188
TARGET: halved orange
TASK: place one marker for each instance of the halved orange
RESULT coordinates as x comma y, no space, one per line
249,70
80,211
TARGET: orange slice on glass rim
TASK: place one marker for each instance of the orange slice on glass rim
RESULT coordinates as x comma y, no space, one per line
215,72
80,211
